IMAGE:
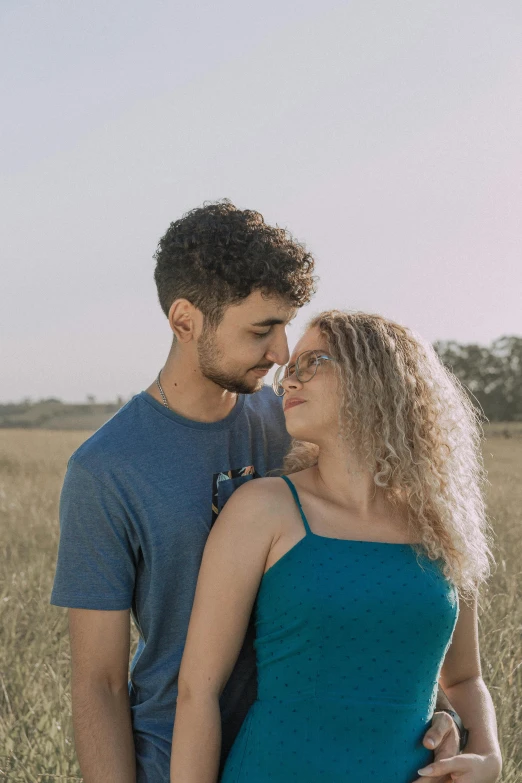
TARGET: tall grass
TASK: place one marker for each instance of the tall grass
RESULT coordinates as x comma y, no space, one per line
35,710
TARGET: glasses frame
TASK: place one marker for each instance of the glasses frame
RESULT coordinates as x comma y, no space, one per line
283,373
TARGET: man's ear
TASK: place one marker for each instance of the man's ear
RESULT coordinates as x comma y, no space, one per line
185,320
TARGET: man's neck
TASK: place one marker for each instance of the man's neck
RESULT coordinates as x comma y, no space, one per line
191,395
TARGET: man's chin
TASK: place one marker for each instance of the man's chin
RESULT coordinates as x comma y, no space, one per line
258,386
236,386
247,388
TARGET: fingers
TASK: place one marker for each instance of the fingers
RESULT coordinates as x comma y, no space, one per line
453,765
444,779
442,730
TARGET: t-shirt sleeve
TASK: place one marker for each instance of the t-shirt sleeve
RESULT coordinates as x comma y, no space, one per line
96,562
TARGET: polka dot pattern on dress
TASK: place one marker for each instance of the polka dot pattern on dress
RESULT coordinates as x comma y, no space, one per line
350,638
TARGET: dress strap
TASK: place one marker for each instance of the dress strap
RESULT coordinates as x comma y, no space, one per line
296,498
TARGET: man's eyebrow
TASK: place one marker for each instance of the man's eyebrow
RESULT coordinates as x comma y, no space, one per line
269,322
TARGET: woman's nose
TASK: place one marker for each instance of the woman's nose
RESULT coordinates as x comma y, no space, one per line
291,382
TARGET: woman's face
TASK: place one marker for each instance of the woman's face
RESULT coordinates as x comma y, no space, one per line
312,408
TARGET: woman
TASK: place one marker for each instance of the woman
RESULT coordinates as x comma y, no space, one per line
365,562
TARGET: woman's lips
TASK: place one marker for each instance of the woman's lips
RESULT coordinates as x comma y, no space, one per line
292,403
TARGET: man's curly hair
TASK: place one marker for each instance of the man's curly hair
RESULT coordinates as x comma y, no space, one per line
217,255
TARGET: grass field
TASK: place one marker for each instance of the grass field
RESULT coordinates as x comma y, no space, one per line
35,710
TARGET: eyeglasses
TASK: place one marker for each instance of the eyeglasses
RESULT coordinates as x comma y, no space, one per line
306,366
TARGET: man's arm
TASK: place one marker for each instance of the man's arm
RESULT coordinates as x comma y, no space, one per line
442,702
443,736
100,645
444,729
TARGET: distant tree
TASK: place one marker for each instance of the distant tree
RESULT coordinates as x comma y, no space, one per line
91,399
492,375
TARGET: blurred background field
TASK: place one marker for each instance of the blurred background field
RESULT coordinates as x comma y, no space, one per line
36,739
386,136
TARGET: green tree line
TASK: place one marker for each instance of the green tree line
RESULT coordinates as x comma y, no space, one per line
491,374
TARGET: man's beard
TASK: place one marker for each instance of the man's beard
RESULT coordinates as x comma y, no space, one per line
209,356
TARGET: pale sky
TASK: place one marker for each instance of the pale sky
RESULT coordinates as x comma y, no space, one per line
385,135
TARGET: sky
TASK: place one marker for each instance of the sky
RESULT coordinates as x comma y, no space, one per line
384,135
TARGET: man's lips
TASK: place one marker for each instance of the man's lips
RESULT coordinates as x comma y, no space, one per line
261,370
292,402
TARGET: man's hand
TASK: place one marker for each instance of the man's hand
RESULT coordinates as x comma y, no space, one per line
466,768
443,738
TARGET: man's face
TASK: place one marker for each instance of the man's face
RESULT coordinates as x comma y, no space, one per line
250,339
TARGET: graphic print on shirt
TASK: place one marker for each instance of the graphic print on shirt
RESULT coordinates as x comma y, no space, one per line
228,475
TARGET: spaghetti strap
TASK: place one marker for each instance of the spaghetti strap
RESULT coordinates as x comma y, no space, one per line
296,498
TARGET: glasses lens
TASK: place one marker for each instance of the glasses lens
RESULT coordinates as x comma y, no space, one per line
306,366
279,376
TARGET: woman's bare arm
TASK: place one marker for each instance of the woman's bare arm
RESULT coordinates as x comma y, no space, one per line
461,679
231,570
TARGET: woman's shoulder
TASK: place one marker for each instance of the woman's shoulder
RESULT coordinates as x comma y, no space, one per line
261,508
272,492
255,508
262,489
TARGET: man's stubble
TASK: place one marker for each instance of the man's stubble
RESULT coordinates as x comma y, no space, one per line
210,363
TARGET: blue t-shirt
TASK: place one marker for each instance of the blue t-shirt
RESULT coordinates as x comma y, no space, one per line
138,501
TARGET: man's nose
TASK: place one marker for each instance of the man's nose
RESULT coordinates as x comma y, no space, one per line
278,352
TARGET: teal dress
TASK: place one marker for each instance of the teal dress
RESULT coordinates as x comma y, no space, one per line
350,639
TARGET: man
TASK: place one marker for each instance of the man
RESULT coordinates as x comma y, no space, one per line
141,494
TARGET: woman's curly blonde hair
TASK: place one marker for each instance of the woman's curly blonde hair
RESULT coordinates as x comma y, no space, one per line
411,422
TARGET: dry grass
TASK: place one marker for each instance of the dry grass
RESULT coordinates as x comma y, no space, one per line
35,709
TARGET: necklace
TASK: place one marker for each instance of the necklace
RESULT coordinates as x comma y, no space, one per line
163,397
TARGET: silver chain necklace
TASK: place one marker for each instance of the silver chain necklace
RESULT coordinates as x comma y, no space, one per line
163,397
